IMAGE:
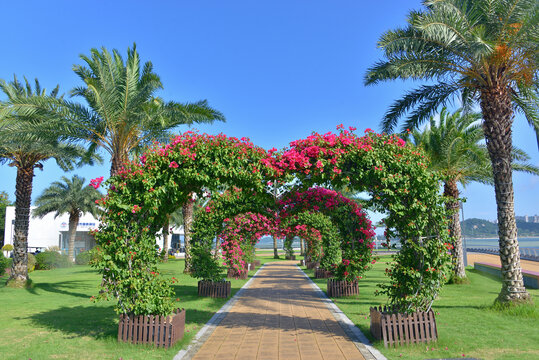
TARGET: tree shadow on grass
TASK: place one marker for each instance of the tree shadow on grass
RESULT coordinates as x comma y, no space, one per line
63,287
98,322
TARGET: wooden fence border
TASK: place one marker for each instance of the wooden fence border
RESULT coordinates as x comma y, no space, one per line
161,331
338,288
214,289
396,328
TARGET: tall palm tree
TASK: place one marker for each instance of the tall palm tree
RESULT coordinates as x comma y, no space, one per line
455,146
25,145
481,50
68,196
123,112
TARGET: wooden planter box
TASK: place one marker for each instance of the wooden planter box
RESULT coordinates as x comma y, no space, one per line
158,330
291,257
338,288
312,264
232,274
396,328
214,289
322,274
256,263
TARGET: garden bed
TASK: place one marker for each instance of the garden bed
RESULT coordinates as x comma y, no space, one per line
396,328
339,288
215,289
160,331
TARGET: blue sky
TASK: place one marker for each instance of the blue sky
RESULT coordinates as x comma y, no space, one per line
278,70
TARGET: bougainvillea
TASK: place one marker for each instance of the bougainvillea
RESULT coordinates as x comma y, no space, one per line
142,194
396,177
356,233
243,229
393,173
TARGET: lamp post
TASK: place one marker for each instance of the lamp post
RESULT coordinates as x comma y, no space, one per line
464,251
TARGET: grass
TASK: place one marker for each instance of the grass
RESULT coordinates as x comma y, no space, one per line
56,319
468,323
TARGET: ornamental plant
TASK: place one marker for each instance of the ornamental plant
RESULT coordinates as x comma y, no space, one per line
396,176
356,233
205,267
143,193
244,229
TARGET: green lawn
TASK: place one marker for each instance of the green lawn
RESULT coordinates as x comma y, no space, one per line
56,319
467,325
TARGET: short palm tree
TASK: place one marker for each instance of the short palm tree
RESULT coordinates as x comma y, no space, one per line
25,145
455,145
480,50
69,196
123,113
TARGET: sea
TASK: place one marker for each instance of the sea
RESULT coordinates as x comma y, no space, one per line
531,243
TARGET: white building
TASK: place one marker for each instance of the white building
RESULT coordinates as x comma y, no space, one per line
49,231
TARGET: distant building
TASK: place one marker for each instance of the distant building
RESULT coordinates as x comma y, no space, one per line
527,218
49,231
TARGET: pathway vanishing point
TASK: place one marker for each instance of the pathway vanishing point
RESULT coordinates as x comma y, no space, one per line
280,316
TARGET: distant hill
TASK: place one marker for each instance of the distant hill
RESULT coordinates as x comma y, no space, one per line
480,228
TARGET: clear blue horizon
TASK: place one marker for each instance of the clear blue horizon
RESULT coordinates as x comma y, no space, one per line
277,70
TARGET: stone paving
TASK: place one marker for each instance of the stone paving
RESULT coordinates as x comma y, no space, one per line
280,316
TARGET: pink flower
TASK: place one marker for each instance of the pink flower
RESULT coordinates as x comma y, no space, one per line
95,183
368,130
173,164
208,209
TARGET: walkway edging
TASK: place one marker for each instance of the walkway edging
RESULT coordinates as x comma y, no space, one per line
360,340
206,331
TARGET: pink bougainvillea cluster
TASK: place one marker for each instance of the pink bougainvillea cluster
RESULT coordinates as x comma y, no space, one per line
356,232
244,228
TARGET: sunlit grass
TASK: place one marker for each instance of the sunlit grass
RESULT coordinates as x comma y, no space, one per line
468,323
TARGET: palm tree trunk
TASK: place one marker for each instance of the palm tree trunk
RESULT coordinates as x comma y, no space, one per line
275,251
187,210
451,191
73,222
498,118
165,238
117,162
23,196
301,247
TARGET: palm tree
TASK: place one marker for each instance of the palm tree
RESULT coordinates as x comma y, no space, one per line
455,147
25,145
68,196
481,50
123,113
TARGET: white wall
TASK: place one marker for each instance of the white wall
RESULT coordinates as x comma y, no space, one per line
45,232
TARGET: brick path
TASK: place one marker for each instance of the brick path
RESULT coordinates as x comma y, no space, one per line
279,316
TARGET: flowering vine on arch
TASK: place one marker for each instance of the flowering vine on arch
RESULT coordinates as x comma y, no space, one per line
396,176
141,196
241,234
356,234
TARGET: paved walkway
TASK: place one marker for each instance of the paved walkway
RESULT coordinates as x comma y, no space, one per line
280,316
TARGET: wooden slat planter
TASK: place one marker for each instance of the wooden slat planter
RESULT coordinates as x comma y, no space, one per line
312,264
214,289
256,262
337,288
396,328
162,331
232,274
322,274
290,257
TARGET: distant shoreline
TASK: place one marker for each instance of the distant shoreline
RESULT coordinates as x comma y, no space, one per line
490,237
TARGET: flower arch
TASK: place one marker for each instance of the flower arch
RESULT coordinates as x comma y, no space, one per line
141,196
396,176
239,236
356,234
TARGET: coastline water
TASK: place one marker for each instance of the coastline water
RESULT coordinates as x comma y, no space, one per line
491,243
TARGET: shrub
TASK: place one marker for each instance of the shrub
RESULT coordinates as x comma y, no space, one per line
204,266
95,255
83,258
4,263
172,257
51,260
7,247
31,262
